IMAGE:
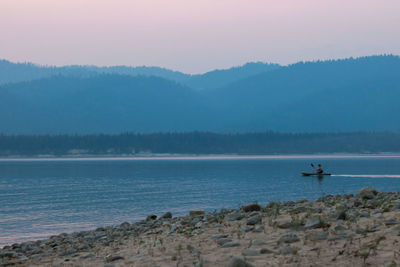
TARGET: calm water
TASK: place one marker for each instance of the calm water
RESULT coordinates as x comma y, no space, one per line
41,198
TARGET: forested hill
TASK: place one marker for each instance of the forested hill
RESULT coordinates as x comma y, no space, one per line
22,72
199,143
325,96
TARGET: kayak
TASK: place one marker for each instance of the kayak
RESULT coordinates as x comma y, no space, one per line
315,174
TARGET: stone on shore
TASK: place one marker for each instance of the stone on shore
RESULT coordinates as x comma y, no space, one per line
367,193
254,220
251,207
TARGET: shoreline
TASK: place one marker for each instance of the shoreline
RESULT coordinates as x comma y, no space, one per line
334,230
194,157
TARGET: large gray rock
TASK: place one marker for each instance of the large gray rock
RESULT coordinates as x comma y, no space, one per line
367,193
239,262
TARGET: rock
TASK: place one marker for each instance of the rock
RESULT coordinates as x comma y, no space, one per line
251,207
289,238
341,215
8,253
167,215
258,242
244,229
222,241
377,211
313,223
266,251
239,262
367,193
151,217
254,220
67,252
230,244
111,258
360,231
235,216
258,230
339,228
392,221
88,256
317,236
364,213
196,213
218,236
372,204
284,224
288,250
250,252
338,237
125,225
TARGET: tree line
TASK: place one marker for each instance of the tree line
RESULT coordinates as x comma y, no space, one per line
199,143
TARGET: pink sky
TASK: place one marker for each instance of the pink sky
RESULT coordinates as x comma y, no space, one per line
195,36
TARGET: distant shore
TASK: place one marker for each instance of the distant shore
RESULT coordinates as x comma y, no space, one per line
193,157
335,230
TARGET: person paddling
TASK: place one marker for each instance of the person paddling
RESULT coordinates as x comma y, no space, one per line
319,169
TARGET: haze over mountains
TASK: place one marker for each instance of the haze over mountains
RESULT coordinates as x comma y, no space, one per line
359,94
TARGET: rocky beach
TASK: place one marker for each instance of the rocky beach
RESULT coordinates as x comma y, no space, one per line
334,230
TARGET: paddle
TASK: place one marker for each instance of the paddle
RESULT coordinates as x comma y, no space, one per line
312,165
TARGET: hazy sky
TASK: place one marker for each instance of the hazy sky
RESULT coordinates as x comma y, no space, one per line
195,36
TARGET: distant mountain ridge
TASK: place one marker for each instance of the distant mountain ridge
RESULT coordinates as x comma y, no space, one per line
21,72
355,94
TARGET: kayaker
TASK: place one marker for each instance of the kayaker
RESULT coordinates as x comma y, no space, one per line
319,169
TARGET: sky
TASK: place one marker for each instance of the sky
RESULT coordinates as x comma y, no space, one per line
195,36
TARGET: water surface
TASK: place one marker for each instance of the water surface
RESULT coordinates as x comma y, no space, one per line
42,197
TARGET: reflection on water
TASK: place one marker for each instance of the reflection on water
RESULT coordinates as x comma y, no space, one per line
44,197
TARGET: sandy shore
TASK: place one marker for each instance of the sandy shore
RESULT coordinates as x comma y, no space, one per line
342,230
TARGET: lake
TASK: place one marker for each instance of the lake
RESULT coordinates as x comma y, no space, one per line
43,197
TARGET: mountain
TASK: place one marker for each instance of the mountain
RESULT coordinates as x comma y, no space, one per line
334,95
20,72
105,103
355,94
